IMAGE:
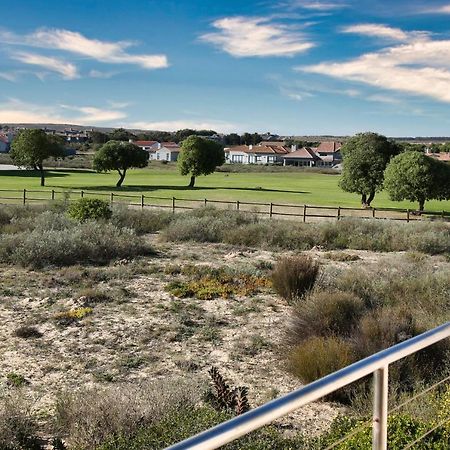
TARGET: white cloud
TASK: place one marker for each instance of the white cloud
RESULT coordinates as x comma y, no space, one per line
16,111
373,29
256,36
99,74
9,76
313,5
173,125
73,42
444,9
67,70
420,67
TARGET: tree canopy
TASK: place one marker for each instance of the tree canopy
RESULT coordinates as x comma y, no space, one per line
31,147
120,134
120,156
415,176
199,156
365,157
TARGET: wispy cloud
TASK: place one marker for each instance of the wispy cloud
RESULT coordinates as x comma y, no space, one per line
74,42
67,70
173,125
314,5
17,111
419,66
382,31
256,36
443,9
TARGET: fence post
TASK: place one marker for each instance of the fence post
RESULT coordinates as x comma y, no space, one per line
53,194
81,194
24,196
112,198
206,200
173,204
373,213
142,201
380,409
304,213
271,210
407,215
339,213
237,205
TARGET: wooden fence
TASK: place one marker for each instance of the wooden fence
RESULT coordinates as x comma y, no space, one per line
302,212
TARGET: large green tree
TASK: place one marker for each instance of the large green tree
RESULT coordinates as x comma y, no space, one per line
31,147
120,156
199,156
120,134
365,157
415,176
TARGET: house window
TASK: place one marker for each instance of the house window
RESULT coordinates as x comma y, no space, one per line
237,158
157,156
167,157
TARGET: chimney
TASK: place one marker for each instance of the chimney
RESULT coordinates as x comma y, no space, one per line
293,147
250,147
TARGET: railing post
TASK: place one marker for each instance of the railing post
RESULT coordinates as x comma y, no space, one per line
271,210
304,213
339,213
206,201
380,409
237,205
373,213
81,194
24,196
53,194
407,215
112,198
173,204
142,201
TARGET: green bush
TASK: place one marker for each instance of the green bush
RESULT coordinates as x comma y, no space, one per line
326,313
141,221
293,277
89,209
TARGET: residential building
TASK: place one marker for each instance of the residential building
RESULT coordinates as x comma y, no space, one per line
305,156
329,153
149,146
255,154
168,151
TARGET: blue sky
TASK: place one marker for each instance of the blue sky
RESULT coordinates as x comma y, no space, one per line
284,66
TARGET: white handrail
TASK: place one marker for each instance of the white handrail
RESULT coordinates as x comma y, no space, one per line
377,363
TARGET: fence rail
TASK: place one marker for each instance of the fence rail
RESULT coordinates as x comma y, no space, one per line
376,364
302,212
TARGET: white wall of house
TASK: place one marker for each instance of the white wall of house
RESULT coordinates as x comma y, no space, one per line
238,157
167,154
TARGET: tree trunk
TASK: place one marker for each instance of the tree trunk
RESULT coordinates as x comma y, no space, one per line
41,170
192,182
421,204
371,197
363,200
122,177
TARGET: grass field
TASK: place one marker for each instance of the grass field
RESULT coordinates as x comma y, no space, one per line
300,187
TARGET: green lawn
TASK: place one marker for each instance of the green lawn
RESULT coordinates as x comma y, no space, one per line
300,187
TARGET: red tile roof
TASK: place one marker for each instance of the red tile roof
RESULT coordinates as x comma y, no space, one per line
145,143
304,153
440,156
261,149
329,147
169,144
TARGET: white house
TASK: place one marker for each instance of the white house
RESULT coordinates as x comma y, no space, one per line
149,146
168,151
255,154
305,156
329,153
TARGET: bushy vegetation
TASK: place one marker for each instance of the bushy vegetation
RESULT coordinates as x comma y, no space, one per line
141,221
294,276
63,243
89,209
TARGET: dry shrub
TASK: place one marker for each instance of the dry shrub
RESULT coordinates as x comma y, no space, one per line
27,332
294,276
88,418
318,356
324,314
18,426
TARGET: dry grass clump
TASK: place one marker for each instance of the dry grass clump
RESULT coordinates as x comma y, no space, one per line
92,416
27,332
18,426
293,277
141,221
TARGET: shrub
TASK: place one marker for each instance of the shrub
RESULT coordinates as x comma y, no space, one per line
72,315
326,313
89,209
141,221
294,276
92,296
18,426
78,243
16,379
316,357
27,332
92,416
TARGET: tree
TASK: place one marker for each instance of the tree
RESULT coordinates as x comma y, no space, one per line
98,137
415,176
120,156
232,139
120,134
199,156
365,157
32,146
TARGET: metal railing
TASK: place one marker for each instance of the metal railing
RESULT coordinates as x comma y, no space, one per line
282,210
376,364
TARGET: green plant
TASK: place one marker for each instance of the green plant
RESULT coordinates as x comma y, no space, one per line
89,209
294,276
73,315
16,379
